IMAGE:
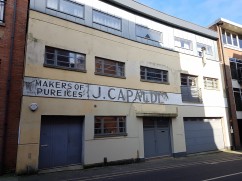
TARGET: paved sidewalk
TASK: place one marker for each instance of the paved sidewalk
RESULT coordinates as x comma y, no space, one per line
152,164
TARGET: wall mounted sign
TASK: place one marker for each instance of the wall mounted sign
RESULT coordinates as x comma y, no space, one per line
72,90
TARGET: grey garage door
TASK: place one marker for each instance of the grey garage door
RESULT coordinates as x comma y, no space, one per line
203,134
60,141
156,137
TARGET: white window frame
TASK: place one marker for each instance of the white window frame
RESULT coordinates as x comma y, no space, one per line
97,19
181,43
2,10
58,7
210,83
208,49
225,38
150,34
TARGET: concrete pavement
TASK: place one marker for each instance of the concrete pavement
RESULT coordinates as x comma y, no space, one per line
149,165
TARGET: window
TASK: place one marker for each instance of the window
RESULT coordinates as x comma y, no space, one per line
67,6
210,83
64,59
231,39
109,67
189,90
153,75
2,8
188,80
183,43
208,49
147,33
106,20
238,98
110,125
236,68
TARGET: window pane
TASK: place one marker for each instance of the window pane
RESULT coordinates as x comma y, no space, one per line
52,4
106,20
1,10
234,40
229,40
71,8
238,101
64,58
183,43
224,37
109,67
233,70
152,74
147,33
240,41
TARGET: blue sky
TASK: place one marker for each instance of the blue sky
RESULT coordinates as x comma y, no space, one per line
201,12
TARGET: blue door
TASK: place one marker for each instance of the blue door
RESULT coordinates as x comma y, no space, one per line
60,141
156,137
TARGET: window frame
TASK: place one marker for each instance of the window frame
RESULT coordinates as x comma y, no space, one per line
214,82
238,103
185,40
118,120
187,80
149,29
154,81
63,67
102,73
113,16
235,74
224,38
206,46
2,6
75,3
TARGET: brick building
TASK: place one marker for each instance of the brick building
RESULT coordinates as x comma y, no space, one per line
230,51
13,19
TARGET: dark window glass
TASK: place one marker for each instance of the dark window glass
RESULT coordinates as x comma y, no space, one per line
238,101
151,74
224,37
229,40
240,41
235,43
63,58
233,70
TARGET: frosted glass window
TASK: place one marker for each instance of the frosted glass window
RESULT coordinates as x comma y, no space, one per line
147,33
183,43
106,20
2,3
71,8
53,4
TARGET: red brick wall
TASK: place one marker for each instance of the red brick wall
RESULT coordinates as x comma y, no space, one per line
8,146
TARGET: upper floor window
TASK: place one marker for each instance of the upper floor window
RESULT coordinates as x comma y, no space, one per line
67,6
231,39
2,8
110,125
236,69
109,67
183,43
149,34
238,98
153,75
188,80
64,59
106,20
210,83
208,49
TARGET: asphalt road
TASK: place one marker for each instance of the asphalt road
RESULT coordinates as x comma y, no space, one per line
228,170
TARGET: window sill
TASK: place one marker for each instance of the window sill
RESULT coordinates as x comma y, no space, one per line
215,89
157,82
114,76
2,24
110,135
184,48
64,68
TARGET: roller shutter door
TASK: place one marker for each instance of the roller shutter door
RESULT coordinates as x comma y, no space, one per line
203,134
